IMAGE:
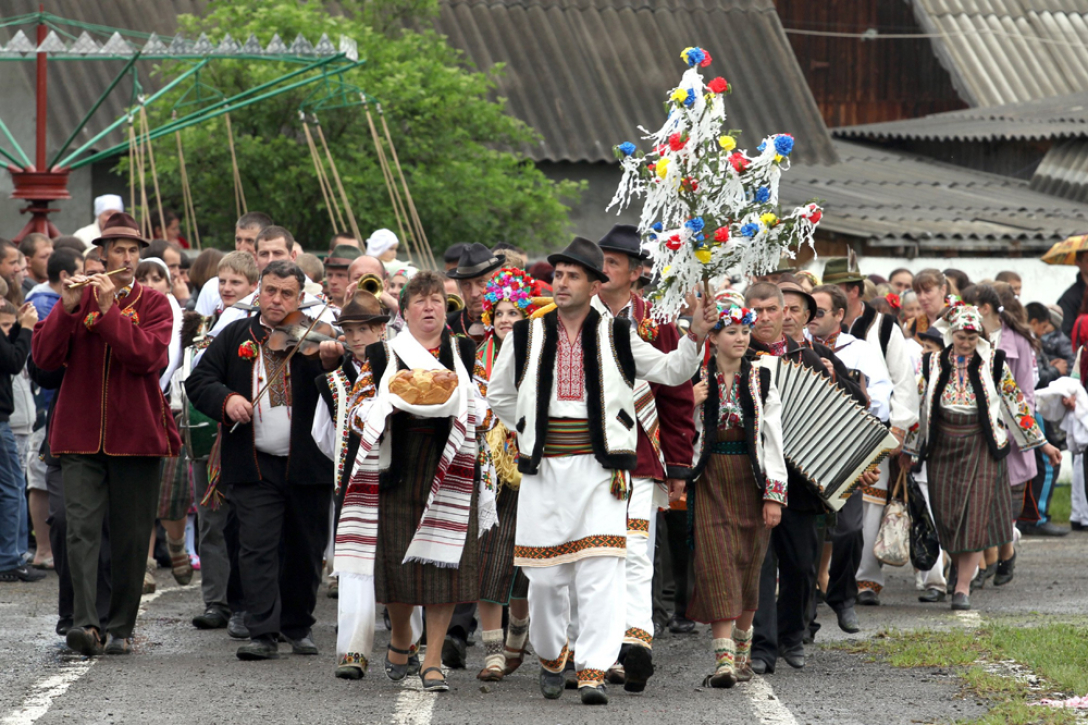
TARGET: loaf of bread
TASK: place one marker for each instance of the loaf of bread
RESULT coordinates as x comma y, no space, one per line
424,387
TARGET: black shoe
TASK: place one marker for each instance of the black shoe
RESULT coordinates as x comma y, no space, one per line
63,625
213,618
236,627
1077,526
22,573
350,672
679,624
1005,571
570,675
397,672
960,602
931,595
848,620
868,598
302,646
760,667
979,582
119,646
84,640
593,695
433,684
795,659
259,648
552,684
638,665
453,652
1047,529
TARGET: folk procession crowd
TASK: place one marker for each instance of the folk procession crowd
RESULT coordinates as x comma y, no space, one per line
501,450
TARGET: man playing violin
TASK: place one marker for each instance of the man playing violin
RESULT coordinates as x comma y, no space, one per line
273,473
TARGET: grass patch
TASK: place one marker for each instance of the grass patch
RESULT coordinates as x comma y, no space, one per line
1061,504
1056,652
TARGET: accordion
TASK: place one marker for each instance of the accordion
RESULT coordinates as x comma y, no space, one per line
826,436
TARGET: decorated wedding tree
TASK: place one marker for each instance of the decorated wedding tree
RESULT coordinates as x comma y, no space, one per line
708,207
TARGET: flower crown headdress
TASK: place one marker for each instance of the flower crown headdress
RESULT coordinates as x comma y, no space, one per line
735,316
510,285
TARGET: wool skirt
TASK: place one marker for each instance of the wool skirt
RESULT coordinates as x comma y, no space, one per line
400,509
500,580
969,490
730,537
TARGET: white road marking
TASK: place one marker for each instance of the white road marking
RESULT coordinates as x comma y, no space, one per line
49,688
765,704
413,705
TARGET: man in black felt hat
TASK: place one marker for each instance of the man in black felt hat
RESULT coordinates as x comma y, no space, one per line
566,385
666,430
473,270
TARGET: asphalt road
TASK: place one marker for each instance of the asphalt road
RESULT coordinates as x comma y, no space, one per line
181,675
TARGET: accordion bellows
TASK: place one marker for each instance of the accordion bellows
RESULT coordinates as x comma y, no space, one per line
826,436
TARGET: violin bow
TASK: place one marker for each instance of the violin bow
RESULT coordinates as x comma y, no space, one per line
286,360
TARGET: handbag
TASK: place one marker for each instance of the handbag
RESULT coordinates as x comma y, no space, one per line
925,546
892,546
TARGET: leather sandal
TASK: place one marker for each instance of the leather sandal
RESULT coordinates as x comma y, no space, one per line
514,659
394,671
491,673
433,684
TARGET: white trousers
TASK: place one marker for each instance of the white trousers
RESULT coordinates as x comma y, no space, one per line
1079,513
588,593
357,617
641,526
870,575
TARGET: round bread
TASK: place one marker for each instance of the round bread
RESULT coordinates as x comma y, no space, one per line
423,387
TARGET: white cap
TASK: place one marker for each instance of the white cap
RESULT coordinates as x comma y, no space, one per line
381,242
108,202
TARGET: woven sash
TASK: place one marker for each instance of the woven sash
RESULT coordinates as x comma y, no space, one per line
568,437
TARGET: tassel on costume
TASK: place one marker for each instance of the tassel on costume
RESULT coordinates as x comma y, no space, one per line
619,484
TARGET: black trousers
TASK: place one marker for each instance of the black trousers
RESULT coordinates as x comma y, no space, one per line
846,539
123,491
791,558
58,533
676,532
280,583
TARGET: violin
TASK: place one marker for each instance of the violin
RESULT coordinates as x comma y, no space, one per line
299,331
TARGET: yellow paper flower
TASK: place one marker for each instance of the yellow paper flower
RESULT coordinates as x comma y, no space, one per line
769,219
679,95
727,142
662,168
665,272
684,54
703,255
778,158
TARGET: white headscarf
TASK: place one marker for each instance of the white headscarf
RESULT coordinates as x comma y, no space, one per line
381,242
107,202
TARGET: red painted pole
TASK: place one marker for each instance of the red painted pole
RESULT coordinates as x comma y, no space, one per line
42,79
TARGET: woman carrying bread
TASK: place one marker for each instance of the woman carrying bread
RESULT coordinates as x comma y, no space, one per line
419,496
508,298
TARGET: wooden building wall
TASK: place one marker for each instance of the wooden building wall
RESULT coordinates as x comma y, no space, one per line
856,81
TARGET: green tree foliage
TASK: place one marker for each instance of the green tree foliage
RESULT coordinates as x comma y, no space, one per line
454,140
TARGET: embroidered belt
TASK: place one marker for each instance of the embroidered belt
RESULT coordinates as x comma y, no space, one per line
730,448
567,437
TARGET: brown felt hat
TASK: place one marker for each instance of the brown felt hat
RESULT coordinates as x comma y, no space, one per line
795,289
121,226
363,307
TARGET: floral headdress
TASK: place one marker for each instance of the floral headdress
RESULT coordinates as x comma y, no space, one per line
965,318
512,285
894,300
735,316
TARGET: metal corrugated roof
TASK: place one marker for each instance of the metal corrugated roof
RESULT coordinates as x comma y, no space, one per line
1064,171
1004,51
888,197
587,73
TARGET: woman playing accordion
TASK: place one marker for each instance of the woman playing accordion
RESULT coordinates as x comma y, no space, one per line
737,492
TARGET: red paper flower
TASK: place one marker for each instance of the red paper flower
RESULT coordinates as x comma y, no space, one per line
676,141
674,242
706,58
721,234
247,350
893,300
740,164
718,85
689,183
816,216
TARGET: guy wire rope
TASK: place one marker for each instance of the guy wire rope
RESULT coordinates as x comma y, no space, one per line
421,236
186,193
389,182
239,192
143,206
321,180
132,169
339,184
154,173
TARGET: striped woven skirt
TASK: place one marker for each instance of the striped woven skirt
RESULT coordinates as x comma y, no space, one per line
400,509
969,490
175,486
500,580
730,538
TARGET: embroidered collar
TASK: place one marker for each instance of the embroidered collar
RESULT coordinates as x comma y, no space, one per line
778,349
828,341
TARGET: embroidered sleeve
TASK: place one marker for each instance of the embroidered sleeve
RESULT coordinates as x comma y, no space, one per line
479,376
363,391
1027,435
775,491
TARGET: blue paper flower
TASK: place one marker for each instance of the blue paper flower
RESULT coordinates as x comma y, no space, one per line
690,100
749,229
657,227
627,148
700,238
763,195
761,147
783,145
696,224
695,56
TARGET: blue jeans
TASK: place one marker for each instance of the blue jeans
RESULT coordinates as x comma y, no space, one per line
13,519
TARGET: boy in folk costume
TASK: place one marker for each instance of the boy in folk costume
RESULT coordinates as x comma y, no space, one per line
363,323
566,386
665,434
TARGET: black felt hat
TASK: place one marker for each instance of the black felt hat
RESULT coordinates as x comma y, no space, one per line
584,252
624,238
476,261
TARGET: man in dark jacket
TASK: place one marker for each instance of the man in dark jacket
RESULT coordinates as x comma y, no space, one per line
15,326
1071,299
277,479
